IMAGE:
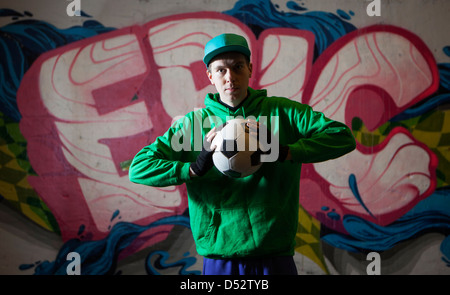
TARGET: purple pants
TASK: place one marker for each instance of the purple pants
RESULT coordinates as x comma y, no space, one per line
283,265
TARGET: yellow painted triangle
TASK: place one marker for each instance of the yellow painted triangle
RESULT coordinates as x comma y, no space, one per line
304,219
307,222
307,251
8,191
4,148
25,208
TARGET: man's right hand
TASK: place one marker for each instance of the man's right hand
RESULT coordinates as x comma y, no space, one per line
204,160
283,150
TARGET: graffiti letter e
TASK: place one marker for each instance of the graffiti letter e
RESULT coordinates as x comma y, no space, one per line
374,8
374,267
73,268
74,8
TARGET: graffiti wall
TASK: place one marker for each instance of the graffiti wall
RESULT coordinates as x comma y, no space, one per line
85,85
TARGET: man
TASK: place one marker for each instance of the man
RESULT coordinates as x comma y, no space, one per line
241,225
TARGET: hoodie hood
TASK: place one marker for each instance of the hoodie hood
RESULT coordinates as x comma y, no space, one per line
248,107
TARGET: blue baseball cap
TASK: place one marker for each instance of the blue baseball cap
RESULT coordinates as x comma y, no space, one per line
225,43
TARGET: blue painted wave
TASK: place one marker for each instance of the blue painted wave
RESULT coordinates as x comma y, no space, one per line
5,12
444,73
263,14
161,263
353,184
427,106
100,257
21,42
433,213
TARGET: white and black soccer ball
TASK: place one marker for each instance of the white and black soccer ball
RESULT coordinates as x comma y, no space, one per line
237,152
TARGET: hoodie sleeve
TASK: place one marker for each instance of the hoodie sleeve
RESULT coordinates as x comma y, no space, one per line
320,138
161,163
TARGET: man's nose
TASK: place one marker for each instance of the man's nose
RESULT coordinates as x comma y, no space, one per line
230,76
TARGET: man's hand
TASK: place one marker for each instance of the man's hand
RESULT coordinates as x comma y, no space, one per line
269,141
204,160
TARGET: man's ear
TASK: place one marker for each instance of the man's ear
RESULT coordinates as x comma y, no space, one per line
250,68
209,74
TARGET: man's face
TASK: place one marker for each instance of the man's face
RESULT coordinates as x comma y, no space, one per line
230,74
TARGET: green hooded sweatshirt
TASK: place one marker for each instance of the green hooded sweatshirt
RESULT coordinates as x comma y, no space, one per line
257,215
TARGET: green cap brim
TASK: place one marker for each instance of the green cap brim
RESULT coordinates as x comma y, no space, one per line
230,48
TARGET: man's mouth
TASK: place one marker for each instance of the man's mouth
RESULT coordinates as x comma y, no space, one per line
232,89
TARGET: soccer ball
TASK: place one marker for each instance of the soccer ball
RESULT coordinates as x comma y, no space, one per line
237,152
